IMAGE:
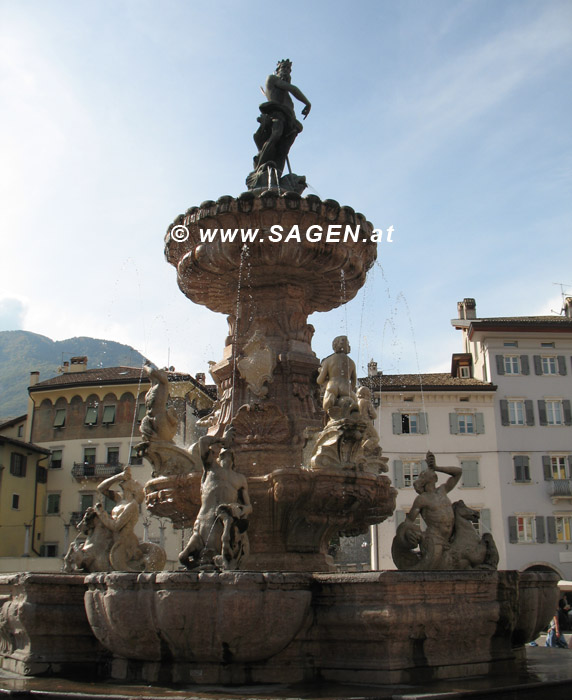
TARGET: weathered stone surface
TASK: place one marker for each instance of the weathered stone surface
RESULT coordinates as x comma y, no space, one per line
376,627
43,625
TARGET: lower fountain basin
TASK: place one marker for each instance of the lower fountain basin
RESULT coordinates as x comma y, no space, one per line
371,627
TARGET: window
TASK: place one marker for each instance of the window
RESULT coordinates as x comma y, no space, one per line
108,415
91,415
511,343
60,418
554,412
516,412
563,528
521,468
41,475
53,504
465,372
466,423
113,456
548,365
558,468
411,470
511,364
85,501
49,550
140,412
135,459
546,345
20,431
89,455
17,464
525,528
15,501
56,459
409,423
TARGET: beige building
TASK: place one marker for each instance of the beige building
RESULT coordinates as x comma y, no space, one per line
89,421
23,477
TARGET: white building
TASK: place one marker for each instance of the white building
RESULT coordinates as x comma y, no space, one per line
529,359
452,416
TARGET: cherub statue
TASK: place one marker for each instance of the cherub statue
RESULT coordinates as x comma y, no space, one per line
159,422
338,374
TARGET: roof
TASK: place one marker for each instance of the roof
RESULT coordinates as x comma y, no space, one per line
438,381
9,422
25,445
558,324
109,376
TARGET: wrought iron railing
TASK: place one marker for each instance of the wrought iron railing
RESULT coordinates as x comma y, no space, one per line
80,470
560,488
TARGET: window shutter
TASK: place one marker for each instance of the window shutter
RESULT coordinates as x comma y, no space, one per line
504,412
470,476
561,364
524,364
529,412
500,364
512,533
479,423
570,466
396,420
398,474
423,423
485,520
551,526
518,470
399,517
542,412
537,364
547,467
453,423
567,412
540,534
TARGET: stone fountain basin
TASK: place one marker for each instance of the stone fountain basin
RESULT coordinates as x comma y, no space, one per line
207,617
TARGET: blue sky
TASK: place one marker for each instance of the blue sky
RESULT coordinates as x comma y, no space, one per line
449,120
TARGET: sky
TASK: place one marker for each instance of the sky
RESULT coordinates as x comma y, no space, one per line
448,120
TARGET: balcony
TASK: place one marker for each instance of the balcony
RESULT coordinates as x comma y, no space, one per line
81,470
560,490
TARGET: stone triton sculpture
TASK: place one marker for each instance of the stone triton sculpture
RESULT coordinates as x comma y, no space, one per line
107,542
277,132
449,541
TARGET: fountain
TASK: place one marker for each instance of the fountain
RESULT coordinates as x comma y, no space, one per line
302,470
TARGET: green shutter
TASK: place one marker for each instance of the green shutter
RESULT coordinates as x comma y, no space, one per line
396,421
551,526
398,474
542,412
479,423
561,364
453,423
504,412
512,531
524,364
485,517
537,364
547,468
108,414
470,476
540,534
529,412
500,364
567,412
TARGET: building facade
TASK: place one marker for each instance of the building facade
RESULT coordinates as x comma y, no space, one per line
89,421
23,483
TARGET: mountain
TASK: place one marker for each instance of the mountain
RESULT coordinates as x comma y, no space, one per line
22,352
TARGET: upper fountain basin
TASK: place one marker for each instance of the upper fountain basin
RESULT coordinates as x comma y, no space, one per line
327,273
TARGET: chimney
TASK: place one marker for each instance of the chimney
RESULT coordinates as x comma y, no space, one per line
467,309
77,364
568,307
200,377
372,368
34,378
